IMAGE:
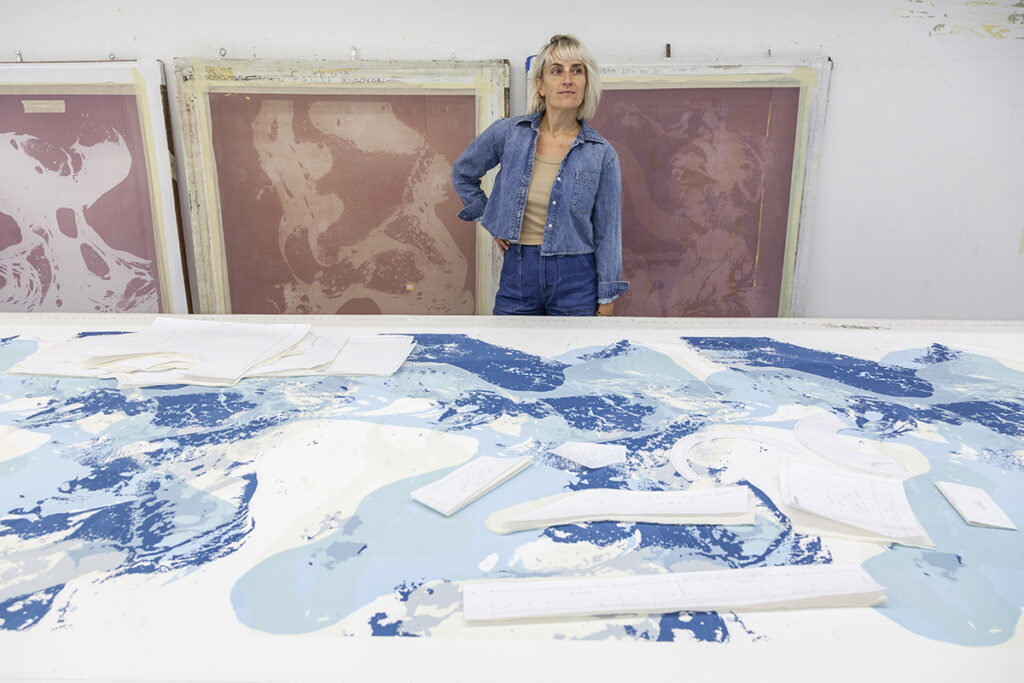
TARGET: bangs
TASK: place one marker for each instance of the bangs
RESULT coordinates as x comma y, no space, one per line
568,54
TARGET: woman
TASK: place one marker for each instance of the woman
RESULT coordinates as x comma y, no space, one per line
555,210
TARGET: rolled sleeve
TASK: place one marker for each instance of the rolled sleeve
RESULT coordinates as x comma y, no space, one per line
608,292
473,211
607,218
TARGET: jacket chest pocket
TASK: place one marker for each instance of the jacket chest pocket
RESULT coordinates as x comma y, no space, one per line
584,190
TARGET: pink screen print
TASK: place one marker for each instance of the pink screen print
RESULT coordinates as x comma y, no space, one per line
706,178
76,223
344,203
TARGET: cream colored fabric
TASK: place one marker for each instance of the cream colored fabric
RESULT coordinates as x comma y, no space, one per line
544,172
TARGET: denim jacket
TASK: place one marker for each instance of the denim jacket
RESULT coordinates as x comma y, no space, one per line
585,211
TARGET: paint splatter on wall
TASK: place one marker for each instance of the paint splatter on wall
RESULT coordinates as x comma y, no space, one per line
974,18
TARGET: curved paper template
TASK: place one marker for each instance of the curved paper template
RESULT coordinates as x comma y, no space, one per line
819,433
679,453
725,505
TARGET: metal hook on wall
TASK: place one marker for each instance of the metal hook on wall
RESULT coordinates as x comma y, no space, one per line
17,56
223,52
668,49
355,53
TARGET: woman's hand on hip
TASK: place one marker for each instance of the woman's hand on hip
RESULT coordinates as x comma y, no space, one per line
502,244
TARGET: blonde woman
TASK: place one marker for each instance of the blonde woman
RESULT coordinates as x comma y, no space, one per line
555,210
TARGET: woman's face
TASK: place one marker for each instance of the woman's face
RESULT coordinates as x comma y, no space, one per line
562,84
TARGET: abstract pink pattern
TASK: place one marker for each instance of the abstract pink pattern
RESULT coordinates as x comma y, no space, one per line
343,203
706,180
76,223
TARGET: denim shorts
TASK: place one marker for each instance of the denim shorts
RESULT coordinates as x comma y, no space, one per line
532,284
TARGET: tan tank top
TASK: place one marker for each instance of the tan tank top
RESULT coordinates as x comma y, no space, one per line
537,199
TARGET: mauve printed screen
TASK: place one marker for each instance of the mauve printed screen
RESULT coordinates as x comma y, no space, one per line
706,178
344,203
76,222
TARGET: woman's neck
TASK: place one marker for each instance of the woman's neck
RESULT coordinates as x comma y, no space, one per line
560,123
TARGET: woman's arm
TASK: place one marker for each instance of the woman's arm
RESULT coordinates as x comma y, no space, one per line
483,154
607,217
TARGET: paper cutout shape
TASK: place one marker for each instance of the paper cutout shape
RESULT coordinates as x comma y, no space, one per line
819,433
975,505
757,588
679,455
461,487
849,504
724,505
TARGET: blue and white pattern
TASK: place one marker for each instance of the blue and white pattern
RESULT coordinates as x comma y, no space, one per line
157,484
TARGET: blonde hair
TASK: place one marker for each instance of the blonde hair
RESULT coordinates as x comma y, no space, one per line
568,49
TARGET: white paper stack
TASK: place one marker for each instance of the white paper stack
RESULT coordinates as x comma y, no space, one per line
827,501
65,359
206,352
216,353
378,355
725,505
458,489
312,354
975,505
759,588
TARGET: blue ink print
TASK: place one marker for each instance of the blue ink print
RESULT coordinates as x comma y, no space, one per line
99,333
758,352
480,407
204,409
502,367
888,418
23,611
113,495
380,627
600,413
621,348
1004,417
937,353
708,627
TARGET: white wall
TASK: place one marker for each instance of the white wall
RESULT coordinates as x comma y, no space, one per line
920,208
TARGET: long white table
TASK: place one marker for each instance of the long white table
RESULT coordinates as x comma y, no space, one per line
265,531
